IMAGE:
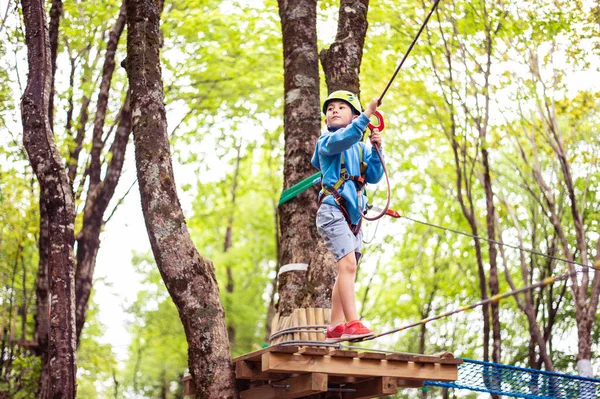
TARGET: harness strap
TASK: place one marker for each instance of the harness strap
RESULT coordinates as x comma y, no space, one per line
359,182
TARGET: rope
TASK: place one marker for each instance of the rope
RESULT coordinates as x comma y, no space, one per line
389,194
412,44
408,51
298,329
531,251
495,298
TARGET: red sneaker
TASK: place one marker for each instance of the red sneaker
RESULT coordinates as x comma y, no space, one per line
334,333
354,330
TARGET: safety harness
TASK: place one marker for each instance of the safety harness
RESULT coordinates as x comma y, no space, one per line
359,182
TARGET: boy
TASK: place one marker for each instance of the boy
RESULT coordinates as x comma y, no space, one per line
346,166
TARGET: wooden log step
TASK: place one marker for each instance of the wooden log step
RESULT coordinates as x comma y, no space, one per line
313,351
400,357
343,353
371,355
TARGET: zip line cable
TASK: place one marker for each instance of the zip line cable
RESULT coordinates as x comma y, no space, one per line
495,298
408,51
531,251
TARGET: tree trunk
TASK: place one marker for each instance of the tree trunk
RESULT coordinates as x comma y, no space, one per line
55,14
98,198
341,65
301,122
189,278
341,62
58,204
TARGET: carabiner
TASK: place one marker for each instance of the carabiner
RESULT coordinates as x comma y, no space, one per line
380,122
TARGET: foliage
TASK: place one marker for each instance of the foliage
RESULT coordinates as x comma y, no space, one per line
223,83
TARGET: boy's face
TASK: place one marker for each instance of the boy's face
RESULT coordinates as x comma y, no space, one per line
339,114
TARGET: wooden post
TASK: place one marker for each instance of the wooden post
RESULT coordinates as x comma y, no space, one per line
295,323
302,322
311,321
320,319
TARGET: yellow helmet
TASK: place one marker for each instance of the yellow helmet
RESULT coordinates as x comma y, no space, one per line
345,96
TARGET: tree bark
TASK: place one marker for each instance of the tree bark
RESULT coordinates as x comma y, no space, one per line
301,123
98,198
189,278
55,14
102,103
341,61
58,201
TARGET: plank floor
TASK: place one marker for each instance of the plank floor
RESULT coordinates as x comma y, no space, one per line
295,372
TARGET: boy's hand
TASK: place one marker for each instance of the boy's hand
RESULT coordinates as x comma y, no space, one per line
372,107
375,137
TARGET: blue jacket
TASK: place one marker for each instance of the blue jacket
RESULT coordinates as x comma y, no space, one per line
328,158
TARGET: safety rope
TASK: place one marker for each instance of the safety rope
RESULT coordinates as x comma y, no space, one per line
377,150
408,51
531,251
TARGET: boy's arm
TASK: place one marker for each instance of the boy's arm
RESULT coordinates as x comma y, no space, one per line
344,138
375,168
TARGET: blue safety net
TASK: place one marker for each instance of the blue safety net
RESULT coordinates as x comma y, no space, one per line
519,382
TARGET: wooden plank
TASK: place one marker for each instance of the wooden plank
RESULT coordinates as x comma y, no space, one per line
246,370
297,363
314,351
426,359
409,383
400,357
451,361
371,355
296,387
372,388
255,356
343,353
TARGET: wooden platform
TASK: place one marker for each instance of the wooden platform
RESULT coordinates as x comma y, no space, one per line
296,372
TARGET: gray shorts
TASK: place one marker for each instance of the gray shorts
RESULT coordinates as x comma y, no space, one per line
334,229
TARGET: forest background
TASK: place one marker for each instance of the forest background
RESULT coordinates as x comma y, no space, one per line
526,71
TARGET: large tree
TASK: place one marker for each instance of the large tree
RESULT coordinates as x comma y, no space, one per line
189,278
57,203
311,284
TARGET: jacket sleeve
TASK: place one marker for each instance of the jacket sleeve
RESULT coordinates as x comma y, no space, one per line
375,168
344,138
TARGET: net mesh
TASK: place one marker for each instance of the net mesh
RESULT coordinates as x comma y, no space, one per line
519,382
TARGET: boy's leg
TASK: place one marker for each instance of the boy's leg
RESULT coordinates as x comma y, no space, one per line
345,286
337,313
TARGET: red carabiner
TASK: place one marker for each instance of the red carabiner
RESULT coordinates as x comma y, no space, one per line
380,123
